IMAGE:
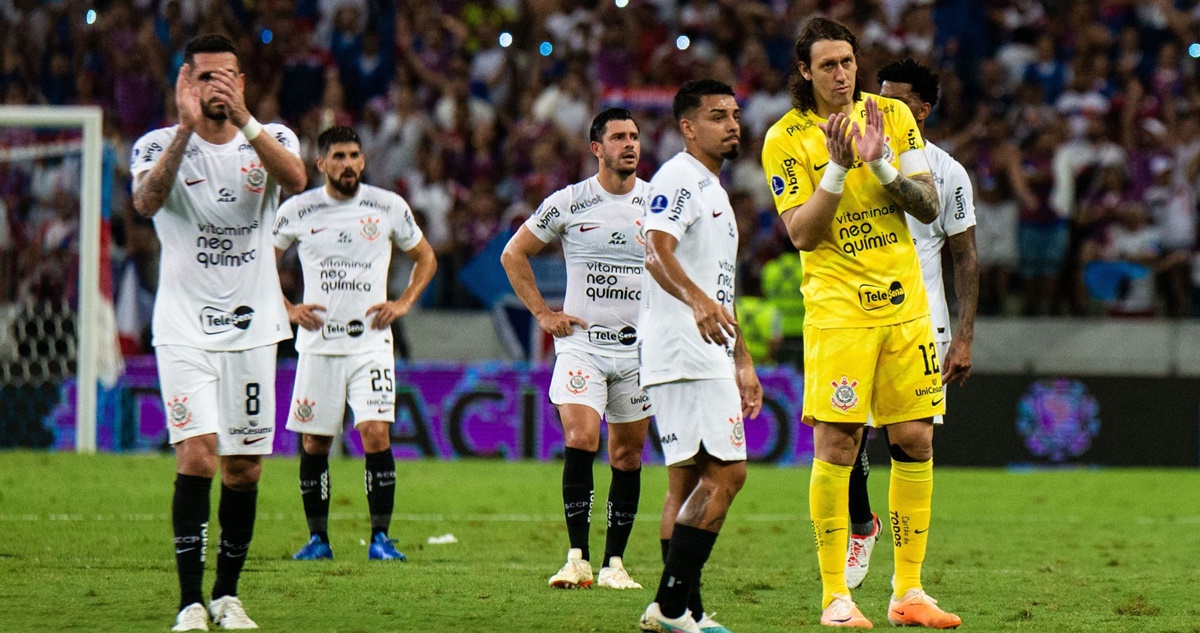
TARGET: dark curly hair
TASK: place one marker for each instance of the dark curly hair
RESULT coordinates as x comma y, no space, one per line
924,81
815,30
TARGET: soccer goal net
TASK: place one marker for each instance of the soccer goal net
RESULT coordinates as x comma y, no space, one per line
57,328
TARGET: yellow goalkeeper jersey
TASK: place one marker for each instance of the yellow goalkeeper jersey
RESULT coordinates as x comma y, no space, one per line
864,272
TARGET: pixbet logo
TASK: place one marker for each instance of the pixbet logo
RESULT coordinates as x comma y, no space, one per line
216,321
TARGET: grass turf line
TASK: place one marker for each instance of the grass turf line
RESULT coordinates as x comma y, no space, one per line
85,546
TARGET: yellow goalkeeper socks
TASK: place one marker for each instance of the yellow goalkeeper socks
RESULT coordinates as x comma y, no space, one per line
828,490
909,499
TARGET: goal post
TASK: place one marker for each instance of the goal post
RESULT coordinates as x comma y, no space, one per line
89,119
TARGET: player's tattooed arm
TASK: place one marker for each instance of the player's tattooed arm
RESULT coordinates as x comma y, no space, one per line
916,194
151,188
957,364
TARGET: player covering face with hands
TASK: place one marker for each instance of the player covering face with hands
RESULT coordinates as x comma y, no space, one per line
212,184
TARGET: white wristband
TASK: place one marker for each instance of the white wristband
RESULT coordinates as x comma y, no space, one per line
834,180
252,129
883,170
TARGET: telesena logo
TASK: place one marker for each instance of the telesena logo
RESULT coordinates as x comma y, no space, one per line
216,321
337,329
626,336
874,297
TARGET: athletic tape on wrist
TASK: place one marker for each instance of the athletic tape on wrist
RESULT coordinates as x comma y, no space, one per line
834,180
252,129
883,170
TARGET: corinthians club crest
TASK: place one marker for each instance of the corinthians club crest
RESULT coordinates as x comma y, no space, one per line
370,228
304,410
844,396
256,177
737,436
577,381
178,412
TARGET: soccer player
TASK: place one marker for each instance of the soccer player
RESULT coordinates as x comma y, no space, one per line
596,334
345,233
846,168
695,365
917,86
212,185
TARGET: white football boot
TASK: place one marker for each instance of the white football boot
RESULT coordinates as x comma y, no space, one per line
615,577
858,556
653,621
227,613
191,618
576,574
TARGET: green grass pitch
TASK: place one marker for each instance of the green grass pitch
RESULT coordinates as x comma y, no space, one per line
85,546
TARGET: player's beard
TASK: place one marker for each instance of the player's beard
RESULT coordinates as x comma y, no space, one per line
615,167
349,190
731,153
211,112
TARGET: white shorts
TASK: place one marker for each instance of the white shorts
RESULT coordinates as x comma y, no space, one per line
231,394
608,385
326,384
695,413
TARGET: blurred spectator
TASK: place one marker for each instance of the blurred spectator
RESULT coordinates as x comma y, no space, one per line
1042,235
1038,98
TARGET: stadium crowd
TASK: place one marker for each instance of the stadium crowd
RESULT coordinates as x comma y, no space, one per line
1079,122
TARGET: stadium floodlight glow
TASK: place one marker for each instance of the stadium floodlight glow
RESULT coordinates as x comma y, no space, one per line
1194,50
545,49
621,4
267,36
505,39
683,42
86,324
91,16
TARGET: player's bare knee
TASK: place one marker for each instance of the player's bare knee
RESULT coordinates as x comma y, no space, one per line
376,436
197,456
241,472
734,478
578,436
317,444
625,457
910,449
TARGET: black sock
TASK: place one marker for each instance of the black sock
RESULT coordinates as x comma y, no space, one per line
622,508
690,548
189,515
860,501
314,492
695,603
236,512
577,497
380,477
666,547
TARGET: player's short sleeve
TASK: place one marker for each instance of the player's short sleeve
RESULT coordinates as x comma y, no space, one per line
900,124
958,200
546,223
673,203
405,232
286,137
287,223
787,170
149,149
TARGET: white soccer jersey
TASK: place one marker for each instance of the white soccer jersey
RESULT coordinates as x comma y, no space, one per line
957,215
218,289
687,201
605,251
345,248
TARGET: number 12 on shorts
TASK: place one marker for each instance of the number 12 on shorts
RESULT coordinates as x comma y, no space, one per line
929,355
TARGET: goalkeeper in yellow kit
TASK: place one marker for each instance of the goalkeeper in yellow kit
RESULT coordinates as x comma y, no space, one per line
845,167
